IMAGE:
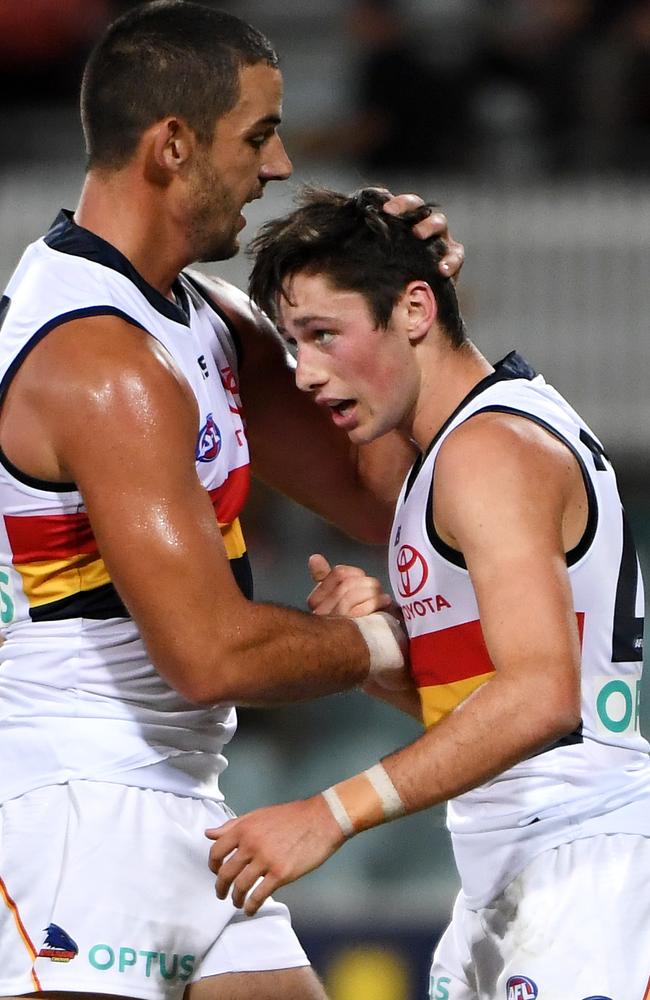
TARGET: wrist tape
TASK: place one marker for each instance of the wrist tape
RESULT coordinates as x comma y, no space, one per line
366,800
386,642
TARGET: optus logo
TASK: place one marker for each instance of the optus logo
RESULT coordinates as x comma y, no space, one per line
413,571
103,958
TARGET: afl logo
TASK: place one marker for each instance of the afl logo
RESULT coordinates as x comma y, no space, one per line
521,988
208,445
413,571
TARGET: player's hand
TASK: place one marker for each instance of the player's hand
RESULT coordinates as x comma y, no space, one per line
271,847
344,590
435,224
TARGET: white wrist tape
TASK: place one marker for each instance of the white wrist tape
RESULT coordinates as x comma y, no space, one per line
339,812
363,801
387,644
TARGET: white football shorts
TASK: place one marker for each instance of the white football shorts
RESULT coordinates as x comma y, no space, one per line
574,925
105,888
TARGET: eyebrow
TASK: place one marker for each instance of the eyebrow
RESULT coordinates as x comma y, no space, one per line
306,320
273,120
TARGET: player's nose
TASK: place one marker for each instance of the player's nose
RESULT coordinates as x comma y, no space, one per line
310,375
277,166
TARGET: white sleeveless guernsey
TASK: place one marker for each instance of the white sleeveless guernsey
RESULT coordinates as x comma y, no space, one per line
79,697
598,778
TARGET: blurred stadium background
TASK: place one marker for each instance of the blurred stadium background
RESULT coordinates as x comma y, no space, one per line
534,136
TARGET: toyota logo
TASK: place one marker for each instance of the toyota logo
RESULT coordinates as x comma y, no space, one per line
413,571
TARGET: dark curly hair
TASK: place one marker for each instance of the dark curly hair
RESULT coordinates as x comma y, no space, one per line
359,247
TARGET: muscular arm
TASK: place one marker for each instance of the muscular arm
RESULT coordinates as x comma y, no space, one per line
109,411
508,496
511,499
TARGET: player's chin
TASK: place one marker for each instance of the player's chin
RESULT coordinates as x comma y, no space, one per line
363,434
223,250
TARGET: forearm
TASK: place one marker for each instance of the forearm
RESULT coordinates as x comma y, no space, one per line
278,655
263,654
472,745
406,701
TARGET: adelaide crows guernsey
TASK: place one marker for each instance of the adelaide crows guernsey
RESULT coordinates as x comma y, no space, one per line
79,697
597,779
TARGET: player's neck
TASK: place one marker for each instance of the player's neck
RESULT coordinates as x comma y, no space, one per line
134,221
448,375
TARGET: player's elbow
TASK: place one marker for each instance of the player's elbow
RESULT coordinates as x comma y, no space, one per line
206,676
558,714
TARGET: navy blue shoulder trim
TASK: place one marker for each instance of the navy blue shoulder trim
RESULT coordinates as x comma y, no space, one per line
35,339
206,297
68,237
511,367
575,554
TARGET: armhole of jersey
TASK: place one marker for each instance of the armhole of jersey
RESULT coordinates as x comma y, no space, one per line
456,558
34,340
235,350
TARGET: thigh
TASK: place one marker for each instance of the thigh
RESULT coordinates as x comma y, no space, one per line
106,890
575,923
283,984
451,976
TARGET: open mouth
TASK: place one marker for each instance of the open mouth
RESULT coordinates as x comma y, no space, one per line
342,406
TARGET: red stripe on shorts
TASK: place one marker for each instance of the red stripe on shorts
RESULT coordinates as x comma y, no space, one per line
27,941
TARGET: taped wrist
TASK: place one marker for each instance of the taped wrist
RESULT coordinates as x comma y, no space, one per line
366,800
386,642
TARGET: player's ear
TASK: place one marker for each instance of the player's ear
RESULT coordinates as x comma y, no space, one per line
421,309
172,144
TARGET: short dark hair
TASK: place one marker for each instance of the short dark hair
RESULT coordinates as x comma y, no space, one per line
169,57
359,247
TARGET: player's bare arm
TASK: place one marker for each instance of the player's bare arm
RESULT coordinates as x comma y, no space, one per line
513,527
114,416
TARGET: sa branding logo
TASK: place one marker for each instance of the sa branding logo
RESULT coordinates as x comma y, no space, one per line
413,571
521,988
208,445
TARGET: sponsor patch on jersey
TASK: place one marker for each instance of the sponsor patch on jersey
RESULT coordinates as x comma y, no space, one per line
413,571
58,945
208,445
618,704
521,988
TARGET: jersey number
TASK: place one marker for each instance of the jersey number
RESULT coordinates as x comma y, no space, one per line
627,630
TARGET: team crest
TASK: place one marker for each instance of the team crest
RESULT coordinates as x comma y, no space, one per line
58,946
208,445
521,988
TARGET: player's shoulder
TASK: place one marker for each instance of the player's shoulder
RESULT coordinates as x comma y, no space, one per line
494,443
234,303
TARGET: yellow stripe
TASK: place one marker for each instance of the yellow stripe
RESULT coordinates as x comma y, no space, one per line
51,580
440,699
233,539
